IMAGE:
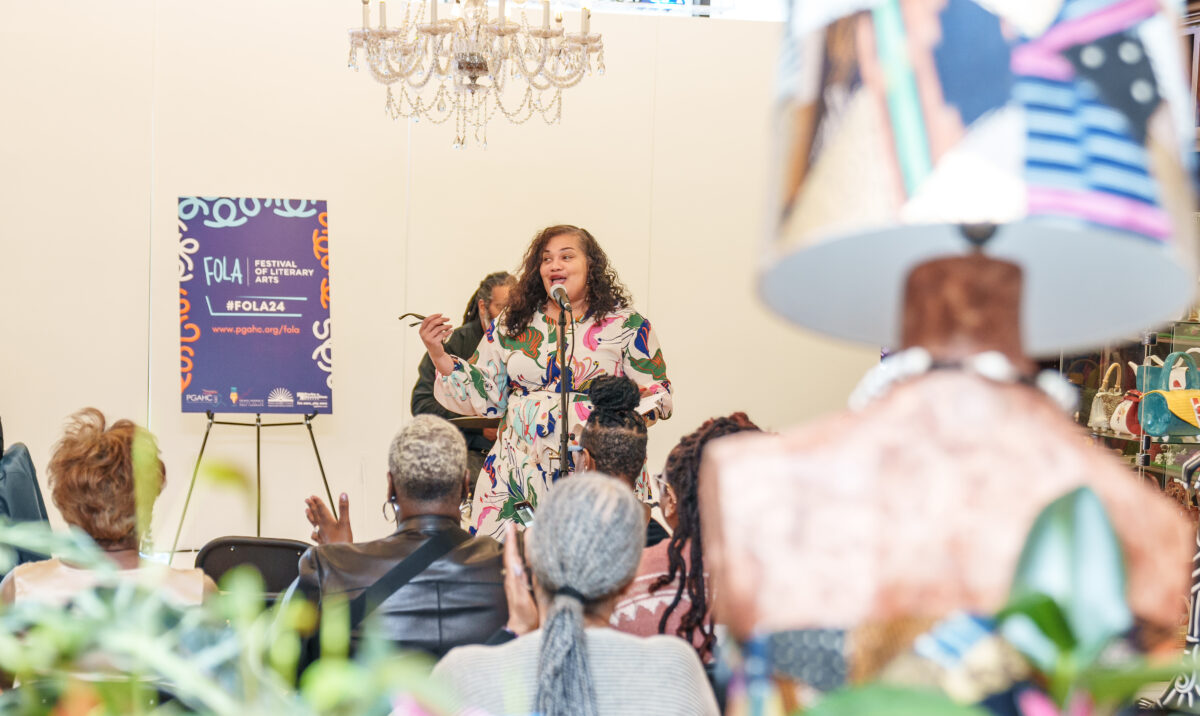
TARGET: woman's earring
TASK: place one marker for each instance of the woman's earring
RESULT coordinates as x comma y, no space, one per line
390,514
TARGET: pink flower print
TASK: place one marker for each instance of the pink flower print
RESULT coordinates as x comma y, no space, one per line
582,411
591,337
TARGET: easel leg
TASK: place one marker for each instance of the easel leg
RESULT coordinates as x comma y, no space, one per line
321,466
258,473
192,486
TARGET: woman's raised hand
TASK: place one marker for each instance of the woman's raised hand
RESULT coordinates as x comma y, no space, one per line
328,529
435,330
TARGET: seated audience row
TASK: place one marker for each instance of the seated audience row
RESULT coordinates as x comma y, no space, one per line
597,560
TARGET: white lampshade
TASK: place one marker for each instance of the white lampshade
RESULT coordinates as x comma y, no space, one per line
1067,124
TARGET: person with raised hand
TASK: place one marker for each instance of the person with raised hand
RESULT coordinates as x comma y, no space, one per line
455,598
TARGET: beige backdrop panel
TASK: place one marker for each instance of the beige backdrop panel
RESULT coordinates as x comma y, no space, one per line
664,158
75,148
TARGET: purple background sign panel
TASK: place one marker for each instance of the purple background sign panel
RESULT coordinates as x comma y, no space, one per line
254,306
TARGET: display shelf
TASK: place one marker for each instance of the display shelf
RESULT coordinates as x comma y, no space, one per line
1169,440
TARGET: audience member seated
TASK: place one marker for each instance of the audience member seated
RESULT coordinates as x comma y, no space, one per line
583,552
459,598
92,482
670,594
614,439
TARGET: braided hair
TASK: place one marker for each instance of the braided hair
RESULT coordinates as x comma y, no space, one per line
615,433
682,473
484,293
586,548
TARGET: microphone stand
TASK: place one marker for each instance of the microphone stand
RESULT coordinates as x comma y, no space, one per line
565,383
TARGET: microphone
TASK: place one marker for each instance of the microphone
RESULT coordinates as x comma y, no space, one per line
559,294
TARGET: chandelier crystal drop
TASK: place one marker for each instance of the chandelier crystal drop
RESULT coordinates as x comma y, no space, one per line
468,67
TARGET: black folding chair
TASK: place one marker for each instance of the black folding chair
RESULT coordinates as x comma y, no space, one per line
277,560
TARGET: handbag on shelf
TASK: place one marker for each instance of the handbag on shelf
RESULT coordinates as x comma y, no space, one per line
1147,374
1105,402
1170,410
1149,377
1124,419
1082,372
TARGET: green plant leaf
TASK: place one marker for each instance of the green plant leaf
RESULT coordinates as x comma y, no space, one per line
1119,684
1045,614
225,474
890,701
1073,557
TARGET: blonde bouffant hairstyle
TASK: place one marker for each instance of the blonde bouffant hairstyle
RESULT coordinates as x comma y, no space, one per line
92,478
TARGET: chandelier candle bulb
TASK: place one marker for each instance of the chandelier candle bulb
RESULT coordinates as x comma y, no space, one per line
500,14
366,14
433,12
558,18
545,14
382,14
586,23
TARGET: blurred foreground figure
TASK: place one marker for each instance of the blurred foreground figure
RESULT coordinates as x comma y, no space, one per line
971,182
917,503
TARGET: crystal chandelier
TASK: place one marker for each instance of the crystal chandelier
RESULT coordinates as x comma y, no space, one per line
469,67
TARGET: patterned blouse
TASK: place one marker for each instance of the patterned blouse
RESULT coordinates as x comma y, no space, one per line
518,379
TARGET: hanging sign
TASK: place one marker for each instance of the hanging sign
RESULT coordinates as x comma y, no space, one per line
254,306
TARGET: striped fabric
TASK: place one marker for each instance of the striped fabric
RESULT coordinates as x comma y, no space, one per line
1082,159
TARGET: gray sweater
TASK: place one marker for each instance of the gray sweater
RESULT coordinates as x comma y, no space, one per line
652,676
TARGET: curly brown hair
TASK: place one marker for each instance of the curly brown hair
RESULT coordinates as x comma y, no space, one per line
92,478
606,293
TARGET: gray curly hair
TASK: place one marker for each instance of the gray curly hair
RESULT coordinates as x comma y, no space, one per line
587,542
428,459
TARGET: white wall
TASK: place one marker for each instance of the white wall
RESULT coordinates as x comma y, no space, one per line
664,159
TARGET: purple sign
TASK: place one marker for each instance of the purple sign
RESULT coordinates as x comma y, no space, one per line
254,306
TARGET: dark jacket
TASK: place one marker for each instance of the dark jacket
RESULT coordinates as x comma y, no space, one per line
462,343
457,600
20,495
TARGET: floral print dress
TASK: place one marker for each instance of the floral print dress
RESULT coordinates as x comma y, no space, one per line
518,379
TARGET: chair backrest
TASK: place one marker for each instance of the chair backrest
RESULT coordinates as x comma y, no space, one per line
277,560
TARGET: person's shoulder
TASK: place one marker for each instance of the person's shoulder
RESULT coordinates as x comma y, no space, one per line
623,313
473,657
337,553
658,647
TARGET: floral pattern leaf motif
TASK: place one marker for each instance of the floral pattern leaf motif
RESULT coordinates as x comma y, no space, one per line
655,367
509,510
548,429
521,380
489,466
528,342
477,381
552,372
642,340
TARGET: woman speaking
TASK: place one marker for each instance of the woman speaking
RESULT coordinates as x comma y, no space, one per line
515,375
